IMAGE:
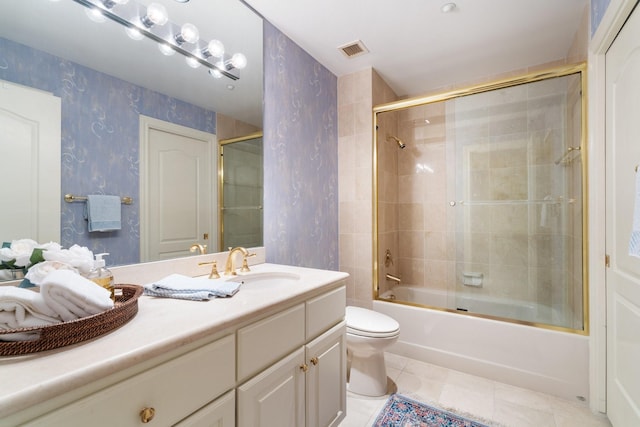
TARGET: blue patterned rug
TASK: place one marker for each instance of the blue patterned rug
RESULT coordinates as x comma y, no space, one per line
400,411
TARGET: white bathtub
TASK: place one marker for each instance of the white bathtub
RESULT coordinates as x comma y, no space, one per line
539,359
519,310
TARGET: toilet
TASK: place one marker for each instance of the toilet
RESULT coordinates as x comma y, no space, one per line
369,334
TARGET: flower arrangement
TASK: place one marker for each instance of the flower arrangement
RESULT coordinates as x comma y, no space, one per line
36,260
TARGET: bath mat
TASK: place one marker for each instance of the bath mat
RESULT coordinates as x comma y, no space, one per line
400,411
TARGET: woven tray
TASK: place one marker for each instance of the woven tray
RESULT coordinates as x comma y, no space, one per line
75,331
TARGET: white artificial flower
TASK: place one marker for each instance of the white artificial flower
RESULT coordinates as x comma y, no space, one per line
76,256
20,250
51,246
38,272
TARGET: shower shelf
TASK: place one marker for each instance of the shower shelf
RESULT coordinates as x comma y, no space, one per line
558,200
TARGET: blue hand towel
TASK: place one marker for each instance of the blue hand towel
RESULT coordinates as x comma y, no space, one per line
103,213
190,288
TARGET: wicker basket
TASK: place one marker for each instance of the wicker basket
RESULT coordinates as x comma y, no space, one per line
75,331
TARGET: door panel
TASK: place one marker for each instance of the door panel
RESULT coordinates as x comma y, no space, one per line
623,275
30,131
176,190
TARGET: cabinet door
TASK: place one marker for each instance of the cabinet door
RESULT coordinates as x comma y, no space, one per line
219,413
327,378
276,396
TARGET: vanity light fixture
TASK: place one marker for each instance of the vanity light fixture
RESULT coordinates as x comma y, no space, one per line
153,22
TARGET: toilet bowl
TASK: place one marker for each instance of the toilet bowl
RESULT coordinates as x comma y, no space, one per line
369,333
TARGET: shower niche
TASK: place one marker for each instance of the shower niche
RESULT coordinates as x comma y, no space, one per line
480,197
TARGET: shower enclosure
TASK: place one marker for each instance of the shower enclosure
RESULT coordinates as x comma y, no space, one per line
482,211
241,191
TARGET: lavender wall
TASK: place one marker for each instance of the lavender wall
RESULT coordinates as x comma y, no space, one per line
301,156
100,137
598,8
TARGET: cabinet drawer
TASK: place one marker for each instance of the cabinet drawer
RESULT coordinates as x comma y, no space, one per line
262,343
324,311
173,389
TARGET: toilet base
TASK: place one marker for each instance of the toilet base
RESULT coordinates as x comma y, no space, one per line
368,375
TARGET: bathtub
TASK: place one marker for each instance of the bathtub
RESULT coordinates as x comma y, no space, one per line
519,310
540,359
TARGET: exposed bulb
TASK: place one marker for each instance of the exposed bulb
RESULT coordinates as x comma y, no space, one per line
156,15
192,62
214,48
134,33
166,49
215,73
238,61
188,33
95,15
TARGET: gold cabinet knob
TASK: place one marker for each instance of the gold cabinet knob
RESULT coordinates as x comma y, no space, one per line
147,414
314,361
304,367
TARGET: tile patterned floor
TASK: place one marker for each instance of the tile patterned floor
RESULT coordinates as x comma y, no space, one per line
494,403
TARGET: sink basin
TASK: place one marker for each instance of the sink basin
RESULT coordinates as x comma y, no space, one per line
266,278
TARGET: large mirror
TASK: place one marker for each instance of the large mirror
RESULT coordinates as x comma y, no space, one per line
106,81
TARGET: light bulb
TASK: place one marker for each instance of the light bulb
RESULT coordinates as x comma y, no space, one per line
166,49
188,33
238,61
192,62
134,33
214,48
95,15
215,73
156,15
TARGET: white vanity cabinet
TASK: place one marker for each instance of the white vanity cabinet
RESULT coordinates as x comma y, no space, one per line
306,386
281,365
160,396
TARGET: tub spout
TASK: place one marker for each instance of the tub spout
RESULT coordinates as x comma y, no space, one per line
393,278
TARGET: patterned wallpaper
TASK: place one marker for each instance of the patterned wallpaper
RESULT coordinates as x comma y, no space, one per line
100,133
301,156
598,8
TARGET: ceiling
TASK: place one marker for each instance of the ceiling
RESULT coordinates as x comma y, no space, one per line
415,47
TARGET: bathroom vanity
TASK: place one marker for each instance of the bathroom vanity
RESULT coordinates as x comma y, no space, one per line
273,354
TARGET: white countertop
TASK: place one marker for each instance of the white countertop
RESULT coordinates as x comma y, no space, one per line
161,325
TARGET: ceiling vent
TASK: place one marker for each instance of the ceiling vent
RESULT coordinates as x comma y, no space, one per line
354,49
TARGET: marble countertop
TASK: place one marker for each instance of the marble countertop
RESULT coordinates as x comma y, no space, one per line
161,325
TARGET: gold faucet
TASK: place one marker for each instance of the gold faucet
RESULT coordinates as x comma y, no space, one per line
201,248
229,269
214,269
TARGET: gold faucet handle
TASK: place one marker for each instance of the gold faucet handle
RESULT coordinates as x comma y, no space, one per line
245,265
214,269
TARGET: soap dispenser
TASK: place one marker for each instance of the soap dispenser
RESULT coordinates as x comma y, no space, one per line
101,275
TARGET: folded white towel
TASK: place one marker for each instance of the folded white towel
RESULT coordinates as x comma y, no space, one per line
191,288
73,296
634,241
22,308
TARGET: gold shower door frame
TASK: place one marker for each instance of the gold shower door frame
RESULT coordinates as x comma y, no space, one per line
574,69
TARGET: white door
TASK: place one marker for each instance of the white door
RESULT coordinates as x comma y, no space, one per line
623,275
30,133
176,189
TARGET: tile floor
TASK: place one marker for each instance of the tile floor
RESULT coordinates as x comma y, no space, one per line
491,402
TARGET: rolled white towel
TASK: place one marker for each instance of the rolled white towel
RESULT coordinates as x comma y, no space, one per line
22,308
73,296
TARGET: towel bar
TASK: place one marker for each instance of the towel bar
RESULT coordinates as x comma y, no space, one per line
69,198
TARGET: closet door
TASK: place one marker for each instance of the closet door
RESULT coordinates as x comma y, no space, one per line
623,274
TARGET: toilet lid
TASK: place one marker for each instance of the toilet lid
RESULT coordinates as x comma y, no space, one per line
361,321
